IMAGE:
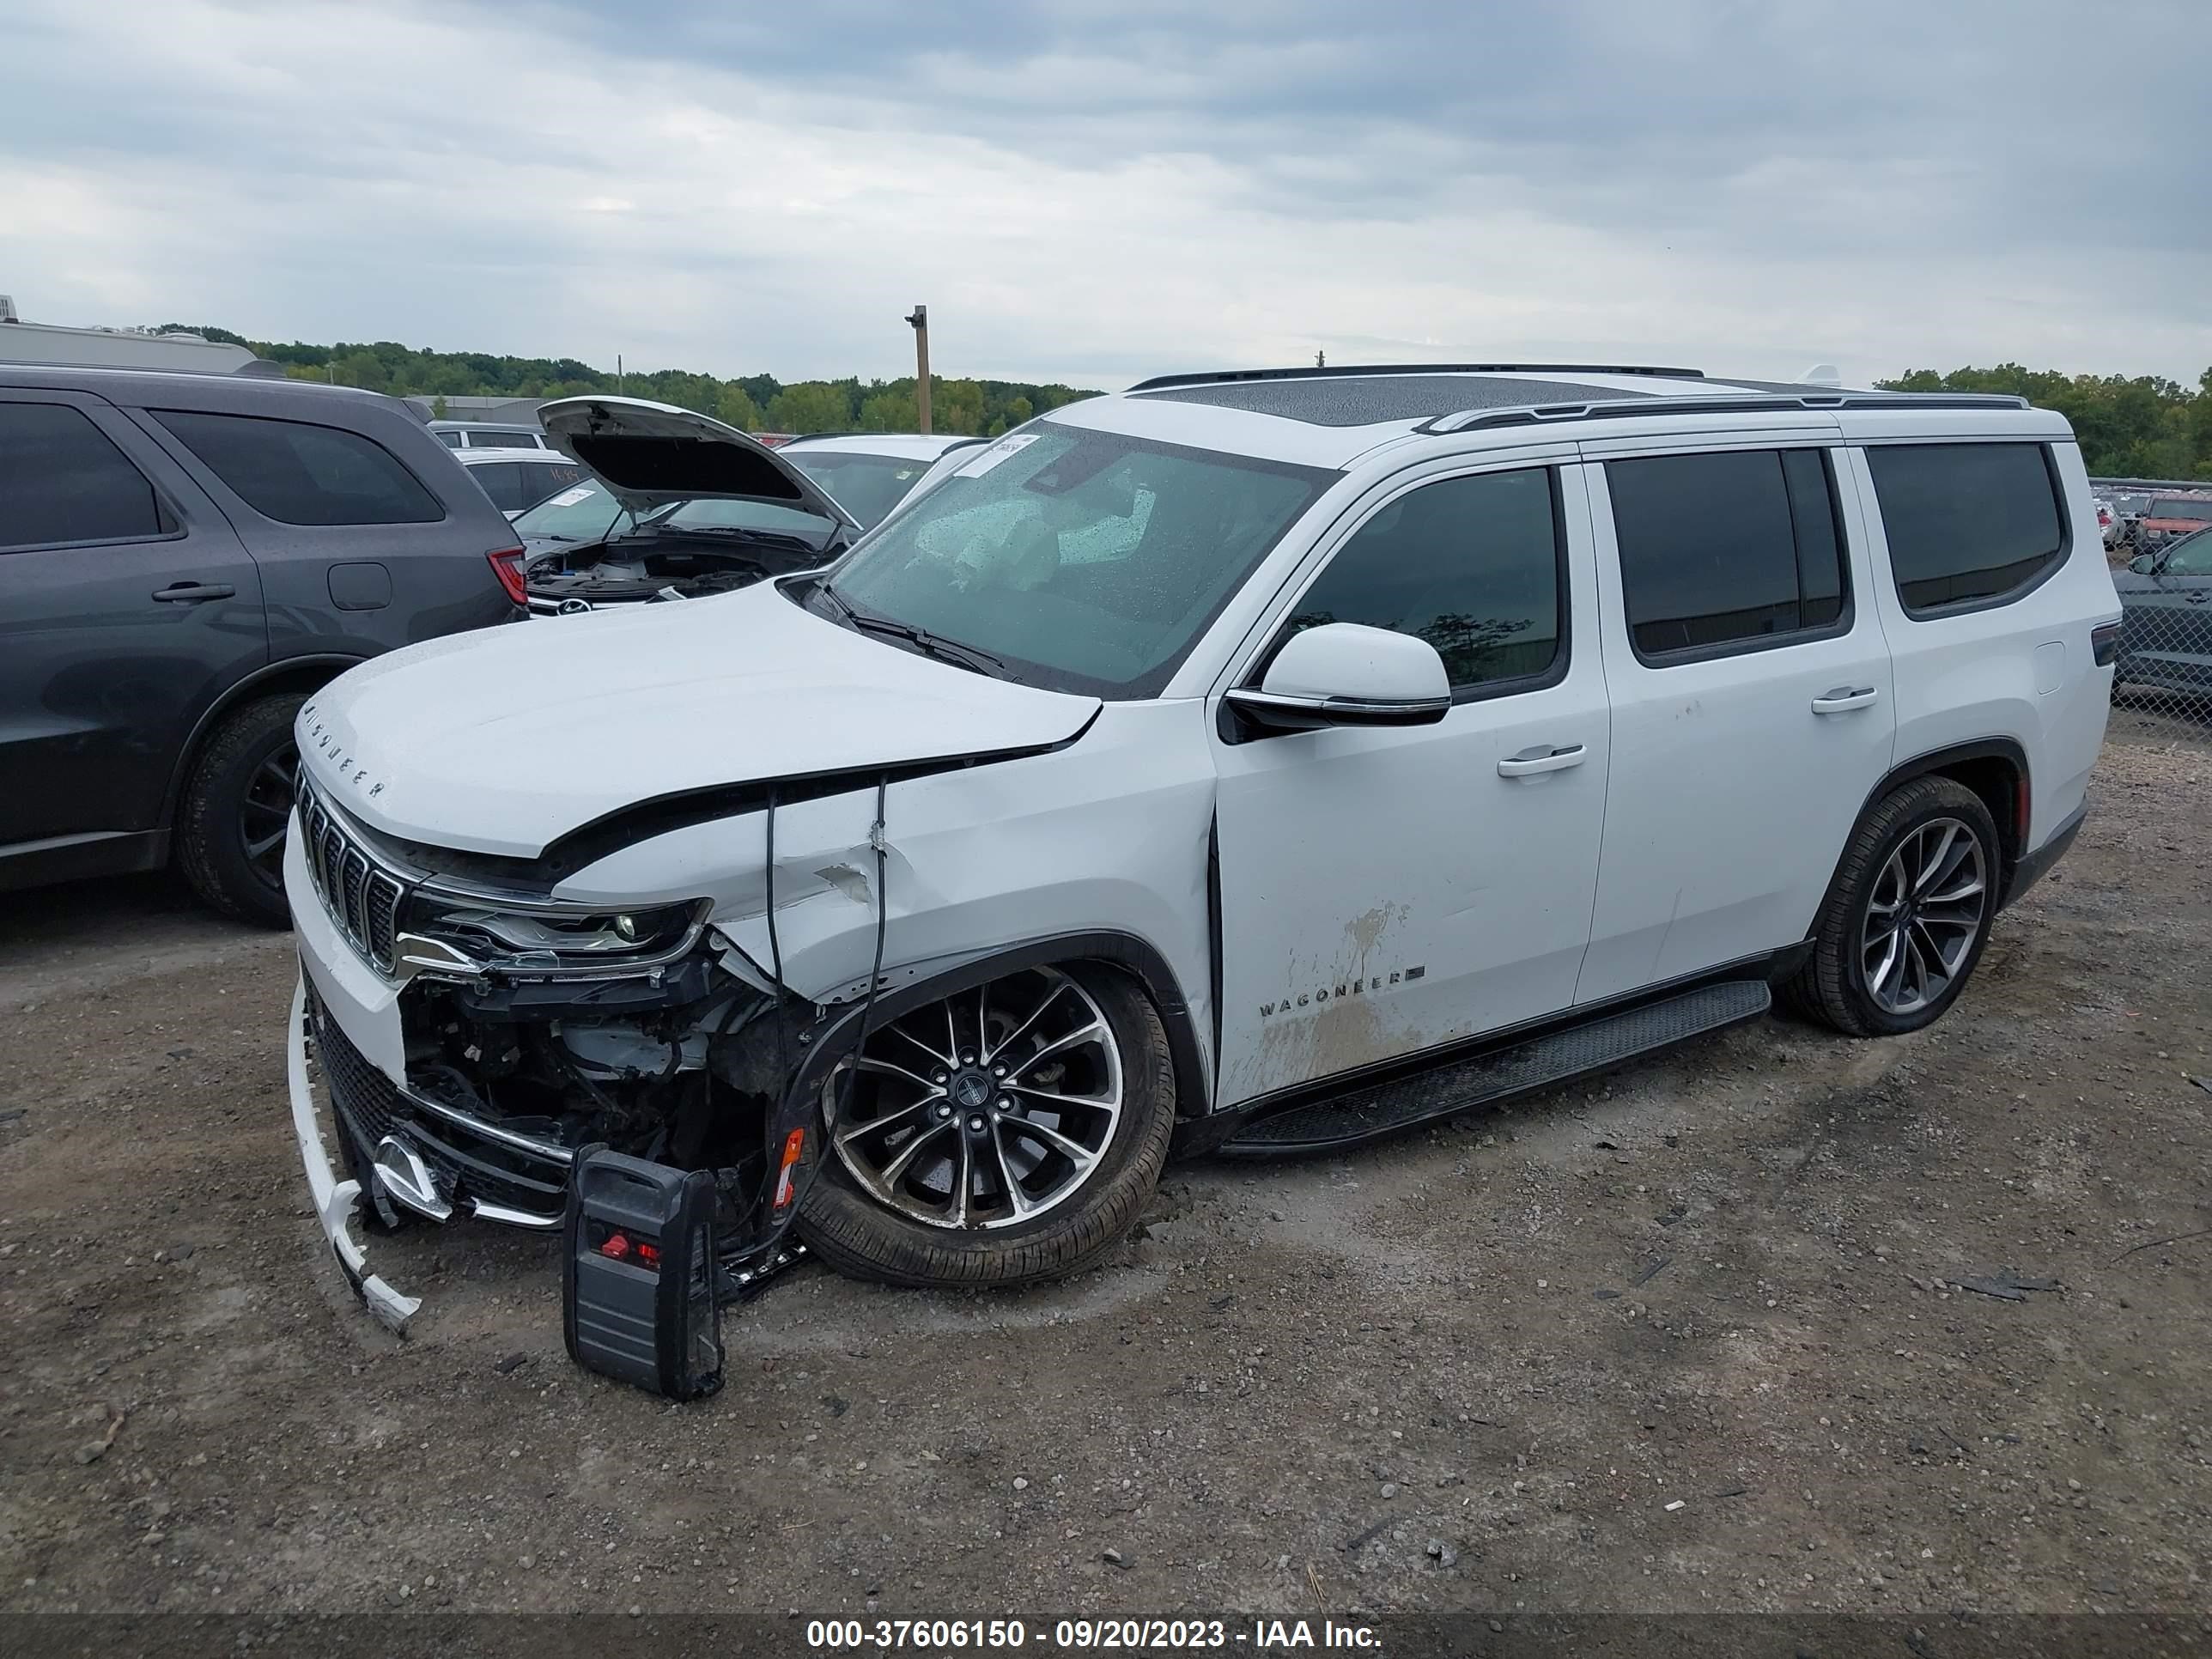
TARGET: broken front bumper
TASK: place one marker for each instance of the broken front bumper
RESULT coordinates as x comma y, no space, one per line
334,1198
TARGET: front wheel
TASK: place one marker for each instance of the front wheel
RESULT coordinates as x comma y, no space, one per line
1005,1134
1908,914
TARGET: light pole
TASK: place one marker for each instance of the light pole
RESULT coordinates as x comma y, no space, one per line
920,322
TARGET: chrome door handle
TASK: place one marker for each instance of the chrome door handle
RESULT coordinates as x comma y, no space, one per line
1842,699
1544,757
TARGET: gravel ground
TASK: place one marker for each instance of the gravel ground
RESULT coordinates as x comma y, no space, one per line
1686,1341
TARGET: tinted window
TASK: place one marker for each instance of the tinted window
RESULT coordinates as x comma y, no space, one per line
498,438
1471,565
1732,550
1965,521
295,473
2185,507
61,480
450,439
502,482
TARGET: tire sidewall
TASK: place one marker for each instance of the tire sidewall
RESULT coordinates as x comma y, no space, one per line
209,816
1969,810
837,1204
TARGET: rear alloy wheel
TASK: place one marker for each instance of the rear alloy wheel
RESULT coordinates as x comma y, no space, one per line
236,808
1908,914
1006,1133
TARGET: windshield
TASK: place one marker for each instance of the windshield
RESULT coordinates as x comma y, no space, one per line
581,513
718,514
866,486
2191,555
1085,560
2181,507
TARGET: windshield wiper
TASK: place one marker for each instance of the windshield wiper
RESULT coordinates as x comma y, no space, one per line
929,644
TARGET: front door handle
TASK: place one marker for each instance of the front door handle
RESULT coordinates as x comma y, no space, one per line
1544,757
1842,699
194,593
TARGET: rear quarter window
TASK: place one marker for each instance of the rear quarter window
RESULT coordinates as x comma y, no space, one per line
1968,524
296,472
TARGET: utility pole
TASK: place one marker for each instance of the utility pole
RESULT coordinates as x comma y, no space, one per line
920,322
1321,360
619,373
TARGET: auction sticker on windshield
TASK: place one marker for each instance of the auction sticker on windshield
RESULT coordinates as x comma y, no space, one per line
570,497
1004,450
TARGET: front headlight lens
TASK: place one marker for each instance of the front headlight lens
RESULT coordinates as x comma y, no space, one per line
544,938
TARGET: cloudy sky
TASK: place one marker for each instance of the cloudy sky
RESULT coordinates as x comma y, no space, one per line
1095,192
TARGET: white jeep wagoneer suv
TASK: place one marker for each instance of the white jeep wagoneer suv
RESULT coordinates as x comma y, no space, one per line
1253,762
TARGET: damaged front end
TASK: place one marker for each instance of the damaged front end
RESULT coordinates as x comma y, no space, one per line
528,1031
655,564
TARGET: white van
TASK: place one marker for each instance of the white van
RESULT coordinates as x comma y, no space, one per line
1258,762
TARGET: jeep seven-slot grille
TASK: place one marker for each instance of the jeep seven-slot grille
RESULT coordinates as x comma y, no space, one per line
362,896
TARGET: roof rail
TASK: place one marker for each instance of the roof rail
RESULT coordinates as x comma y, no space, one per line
1471,420
1354,371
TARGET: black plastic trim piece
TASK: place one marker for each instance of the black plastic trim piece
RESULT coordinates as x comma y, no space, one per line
1357,370
827,1042
2033,866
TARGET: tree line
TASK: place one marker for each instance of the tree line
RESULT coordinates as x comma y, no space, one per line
752,403
2143,427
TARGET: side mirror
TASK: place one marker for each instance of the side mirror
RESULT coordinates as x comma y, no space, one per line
2145,564
1348,674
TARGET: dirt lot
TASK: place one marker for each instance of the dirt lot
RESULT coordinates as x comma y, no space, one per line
1470,1370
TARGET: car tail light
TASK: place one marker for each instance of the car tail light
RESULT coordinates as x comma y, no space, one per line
507,565
2104,643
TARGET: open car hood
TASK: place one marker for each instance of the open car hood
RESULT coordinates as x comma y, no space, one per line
650,454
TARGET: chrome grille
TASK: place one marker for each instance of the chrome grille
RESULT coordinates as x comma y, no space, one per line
362,896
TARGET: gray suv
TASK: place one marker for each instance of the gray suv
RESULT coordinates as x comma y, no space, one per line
184,560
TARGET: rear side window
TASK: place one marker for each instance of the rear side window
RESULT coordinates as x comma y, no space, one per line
1728,552
62,480
1967,524
1471,565
501,481
296,473
450,439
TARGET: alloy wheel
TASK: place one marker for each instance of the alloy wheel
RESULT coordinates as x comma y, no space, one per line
265,811
988,1108
1923,915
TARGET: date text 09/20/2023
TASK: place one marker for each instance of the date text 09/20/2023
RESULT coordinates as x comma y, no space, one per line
952,1635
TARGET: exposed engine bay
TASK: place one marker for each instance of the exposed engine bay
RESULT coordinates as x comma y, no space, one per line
651,564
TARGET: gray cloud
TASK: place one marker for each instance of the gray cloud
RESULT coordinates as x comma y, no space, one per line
1090,192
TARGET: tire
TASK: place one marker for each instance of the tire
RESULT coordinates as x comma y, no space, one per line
231,800
1852,981
858,1232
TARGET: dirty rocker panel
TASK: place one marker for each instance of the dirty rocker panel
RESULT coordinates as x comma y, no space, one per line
1374,1101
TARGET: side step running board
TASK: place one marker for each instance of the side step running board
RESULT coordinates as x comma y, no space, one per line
1361,1113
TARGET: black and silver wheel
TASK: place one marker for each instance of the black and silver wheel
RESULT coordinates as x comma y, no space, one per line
236,804
1006,1133
1905,921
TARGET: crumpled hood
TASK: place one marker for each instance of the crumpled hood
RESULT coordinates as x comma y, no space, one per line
502,740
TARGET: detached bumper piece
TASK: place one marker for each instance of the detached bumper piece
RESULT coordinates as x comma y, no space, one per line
334,1199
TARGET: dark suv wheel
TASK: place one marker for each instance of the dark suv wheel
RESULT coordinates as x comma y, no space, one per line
1908,914
1006,1134
237,802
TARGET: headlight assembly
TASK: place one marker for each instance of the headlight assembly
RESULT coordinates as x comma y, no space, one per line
465,932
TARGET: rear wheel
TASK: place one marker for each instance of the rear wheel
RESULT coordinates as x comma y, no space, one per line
1910,911
1005,1134
237,803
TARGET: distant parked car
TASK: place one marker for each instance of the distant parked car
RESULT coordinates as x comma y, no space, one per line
2166,518
870,473
184,561
2166,617
520,478
700,508
2108,521
483,434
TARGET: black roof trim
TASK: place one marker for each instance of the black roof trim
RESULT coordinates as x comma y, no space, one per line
1354,371
1475,420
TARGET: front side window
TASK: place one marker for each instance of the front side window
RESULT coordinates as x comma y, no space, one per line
298,473
1725,552
2191,555
1084,560
62,480
1471,565
1967,524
